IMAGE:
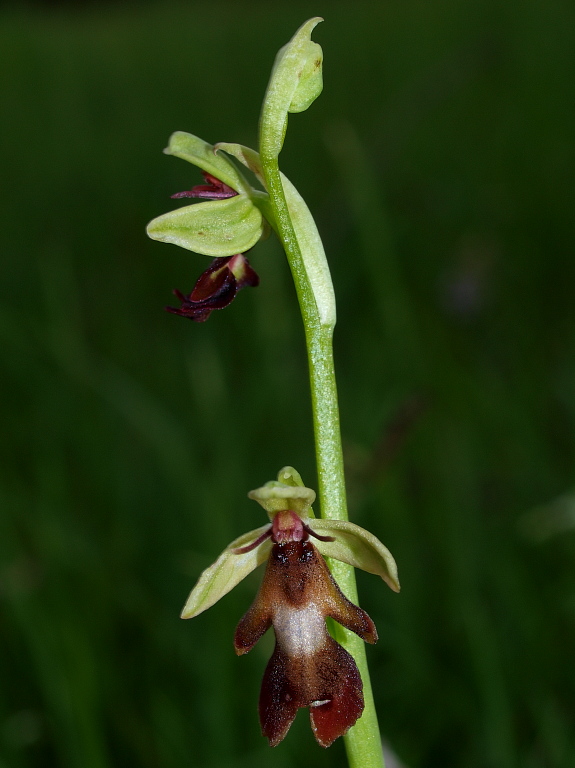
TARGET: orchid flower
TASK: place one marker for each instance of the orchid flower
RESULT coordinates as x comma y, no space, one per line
308,668
225,225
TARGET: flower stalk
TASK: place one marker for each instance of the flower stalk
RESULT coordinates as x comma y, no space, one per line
363,740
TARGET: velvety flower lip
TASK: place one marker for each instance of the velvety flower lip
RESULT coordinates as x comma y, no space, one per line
308,668
216,287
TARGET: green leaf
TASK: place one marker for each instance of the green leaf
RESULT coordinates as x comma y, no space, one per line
357,547
228,570
295,82
214,228
200,153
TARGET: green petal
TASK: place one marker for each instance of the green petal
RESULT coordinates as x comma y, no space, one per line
214,228
228,570
357,547
200,153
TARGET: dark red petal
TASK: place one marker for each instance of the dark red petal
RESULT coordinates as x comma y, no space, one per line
201,191
218,184
279,701
249,547
339,701
316,535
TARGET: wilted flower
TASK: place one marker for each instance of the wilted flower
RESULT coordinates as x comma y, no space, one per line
308,668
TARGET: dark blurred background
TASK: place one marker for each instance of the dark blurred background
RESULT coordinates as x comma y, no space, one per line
439,163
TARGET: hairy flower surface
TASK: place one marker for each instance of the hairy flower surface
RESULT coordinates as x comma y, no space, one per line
308,667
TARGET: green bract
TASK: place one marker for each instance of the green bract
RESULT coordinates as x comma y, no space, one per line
352,544
305,229
295,83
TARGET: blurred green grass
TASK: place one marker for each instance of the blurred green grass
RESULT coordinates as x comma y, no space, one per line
439,162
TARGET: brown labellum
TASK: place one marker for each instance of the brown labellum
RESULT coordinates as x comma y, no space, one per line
308,668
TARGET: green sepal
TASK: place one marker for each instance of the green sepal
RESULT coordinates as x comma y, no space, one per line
310,83
295,82
357,547
228,570
200,153
215,228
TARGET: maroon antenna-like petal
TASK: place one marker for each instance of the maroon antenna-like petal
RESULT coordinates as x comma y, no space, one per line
213,190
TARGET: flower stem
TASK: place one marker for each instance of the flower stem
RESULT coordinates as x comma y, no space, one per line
363,741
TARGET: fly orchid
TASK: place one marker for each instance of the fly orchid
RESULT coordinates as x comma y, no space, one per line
224,225
308,668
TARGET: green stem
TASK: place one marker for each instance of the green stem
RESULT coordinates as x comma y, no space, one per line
363,741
